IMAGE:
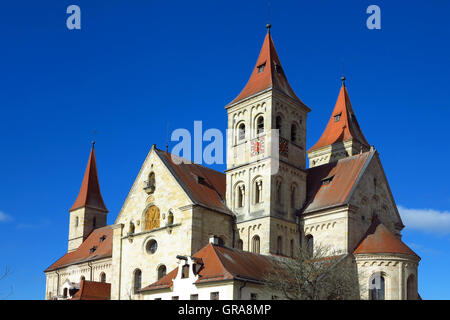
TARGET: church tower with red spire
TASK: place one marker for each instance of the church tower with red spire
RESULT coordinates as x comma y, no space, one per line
266,177
342,136
89,211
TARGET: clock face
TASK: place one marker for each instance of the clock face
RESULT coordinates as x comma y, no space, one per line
257,146
284,147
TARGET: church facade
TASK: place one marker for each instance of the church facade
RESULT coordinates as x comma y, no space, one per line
186,231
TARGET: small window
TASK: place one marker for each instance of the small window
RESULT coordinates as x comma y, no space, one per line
65,292
92,250
102,277
310,244
240,196
377,287
94,222
102,238
240,244
241,131
279,245
150,183
293,197
293,132
327,180
194,296
161,271
260,125
137,280
255,244
337,117
278,123
258,191
214,296
185,271
253,296
292,248
261,67
76,221
170,218
175,298
151,246
221,242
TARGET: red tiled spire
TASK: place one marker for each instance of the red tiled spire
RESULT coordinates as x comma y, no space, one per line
90,195
345,128
267,73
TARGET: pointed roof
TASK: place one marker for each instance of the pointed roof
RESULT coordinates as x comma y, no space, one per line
267,73
345,128
378,239
89,195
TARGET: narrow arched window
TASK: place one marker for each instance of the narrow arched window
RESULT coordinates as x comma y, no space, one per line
150,184
310,245
279,245
240,190
65,292
161,271
411,290
240,244
293,132
279,195
292,248
102,277
278,124
293,197
255,244
170,218
241,131
131,228
137,280
258,191
377,287
76,221
260,125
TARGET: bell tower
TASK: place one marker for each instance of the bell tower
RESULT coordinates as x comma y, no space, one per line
89,211
266,177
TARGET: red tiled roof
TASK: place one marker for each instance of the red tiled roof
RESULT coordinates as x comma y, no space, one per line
210,192
378,239
344,175
89,195
222,263
272,76
83,254
92,290
346,128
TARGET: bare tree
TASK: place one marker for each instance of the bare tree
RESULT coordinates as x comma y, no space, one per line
2,277
321,275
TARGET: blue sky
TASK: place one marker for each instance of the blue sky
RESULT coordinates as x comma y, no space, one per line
137,66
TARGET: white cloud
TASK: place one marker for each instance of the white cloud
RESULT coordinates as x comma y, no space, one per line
427,220
4,217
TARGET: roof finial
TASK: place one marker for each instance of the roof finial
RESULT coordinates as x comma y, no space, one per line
268,26
93,137
343,80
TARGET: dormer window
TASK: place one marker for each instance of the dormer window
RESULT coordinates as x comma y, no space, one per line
201,180
327,180
102,238
261,67
337,117
92,250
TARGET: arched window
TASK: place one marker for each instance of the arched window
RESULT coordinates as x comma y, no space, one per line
377,287
185,271
221,242
411,290
137,280
161,271
293,190
279,245
65,292
240,196
240,244
278,124
150,184
260,125
255,244
258,191
170,218
292,248
152,218
293,132
310,244
241,131
102,277
131,228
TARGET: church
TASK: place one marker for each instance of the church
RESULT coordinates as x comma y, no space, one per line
188,232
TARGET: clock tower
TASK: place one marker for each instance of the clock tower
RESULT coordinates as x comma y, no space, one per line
266,176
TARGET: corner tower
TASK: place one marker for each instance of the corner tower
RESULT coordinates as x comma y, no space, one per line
342,137
266,185
89,211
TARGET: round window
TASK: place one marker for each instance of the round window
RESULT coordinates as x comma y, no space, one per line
151,246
